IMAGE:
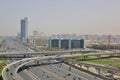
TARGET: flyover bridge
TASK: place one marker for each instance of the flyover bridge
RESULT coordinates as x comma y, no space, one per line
92,65
23,62
28,54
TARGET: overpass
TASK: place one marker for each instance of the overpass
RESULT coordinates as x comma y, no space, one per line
92,65
27,54
22,62
45,52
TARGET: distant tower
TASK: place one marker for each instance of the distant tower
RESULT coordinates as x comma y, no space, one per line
24,29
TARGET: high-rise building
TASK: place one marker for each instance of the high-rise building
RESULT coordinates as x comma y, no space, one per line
24,29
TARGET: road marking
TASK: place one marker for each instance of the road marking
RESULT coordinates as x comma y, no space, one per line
19,76
34,75
52,73
30,75
71,72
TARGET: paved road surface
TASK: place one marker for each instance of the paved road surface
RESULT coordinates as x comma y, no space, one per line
58,72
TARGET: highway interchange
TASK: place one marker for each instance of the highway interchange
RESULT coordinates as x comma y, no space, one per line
45,70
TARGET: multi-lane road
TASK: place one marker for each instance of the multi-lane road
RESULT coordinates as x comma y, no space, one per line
47,70
59,71
14,45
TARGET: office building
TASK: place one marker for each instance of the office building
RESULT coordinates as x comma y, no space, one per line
24,29
55,43
66,43
82,43
75,44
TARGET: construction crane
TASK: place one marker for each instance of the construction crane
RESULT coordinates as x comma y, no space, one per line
109,36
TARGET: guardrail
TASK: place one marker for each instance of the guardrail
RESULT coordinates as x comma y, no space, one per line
16,71
4,76
41,58
17,62
92,65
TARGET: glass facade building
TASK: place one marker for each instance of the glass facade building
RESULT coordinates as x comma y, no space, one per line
24,29
55,43
66,43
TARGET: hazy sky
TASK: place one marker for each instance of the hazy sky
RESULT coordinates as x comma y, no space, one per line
61,16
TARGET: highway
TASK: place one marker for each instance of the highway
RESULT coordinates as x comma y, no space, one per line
92,65
59,71
47,69
32,53
13,46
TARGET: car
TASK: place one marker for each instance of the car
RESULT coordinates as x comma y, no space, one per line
74,78
48,76
7,69
14,65
13,78
64,76
79,78
69,74
11,73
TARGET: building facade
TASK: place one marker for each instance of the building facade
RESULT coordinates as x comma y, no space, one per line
24,29
66,43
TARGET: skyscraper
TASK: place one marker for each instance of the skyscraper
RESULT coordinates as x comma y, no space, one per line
24,29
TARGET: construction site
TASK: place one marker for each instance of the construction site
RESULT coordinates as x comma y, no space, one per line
106,44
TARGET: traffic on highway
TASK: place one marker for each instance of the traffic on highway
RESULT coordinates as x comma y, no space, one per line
42,67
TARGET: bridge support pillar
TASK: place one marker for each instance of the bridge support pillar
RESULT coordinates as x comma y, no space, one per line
24,56
85,57
98,56
111,55
112,76
37,62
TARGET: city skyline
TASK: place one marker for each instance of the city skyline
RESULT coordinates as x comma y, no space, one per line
57,17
